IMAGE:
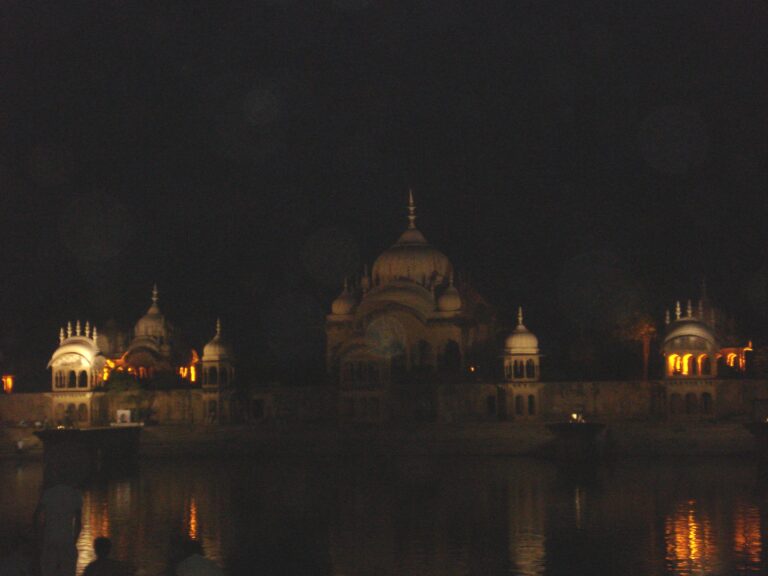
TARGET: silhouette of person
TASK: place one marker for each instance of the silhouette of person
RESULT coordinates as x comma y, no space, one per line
195,563
58,513
104,565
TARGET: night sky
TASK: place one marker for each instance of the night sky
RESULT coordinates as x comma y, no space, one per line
572,157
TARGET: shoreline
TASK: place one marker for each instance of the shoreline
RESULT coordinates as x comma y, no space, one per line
624,439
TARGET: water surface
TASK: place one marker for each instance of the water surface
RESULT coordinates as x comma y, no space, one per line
456,516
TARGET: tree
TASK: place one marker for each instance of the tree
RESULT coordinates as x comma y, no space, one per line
639,328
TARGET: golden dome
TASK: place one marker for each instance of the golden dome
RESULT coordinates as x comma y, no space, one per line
345,303
449,300
152,324
412,257
522,340
217,349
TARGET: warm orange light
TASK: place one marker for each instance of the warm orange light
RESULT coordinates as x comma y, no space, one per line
192,374
689,542
747,537
472,368
7,383
192,528
687,364
731,359
674,364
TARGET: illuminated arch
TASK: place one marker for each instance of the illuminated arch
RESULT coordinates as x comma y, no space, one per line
689,365
674,364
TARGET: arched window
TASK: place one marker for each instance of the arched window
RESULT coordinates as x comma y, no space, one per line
691,403
705,365
530,369
519,405
82,413
423,354
706,403
213,376
531,405
82,379
452,355
675,403
508,371
689,365
519,369
72,382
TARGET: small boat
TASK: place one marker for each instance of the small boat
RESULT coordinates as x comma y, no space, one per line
577,439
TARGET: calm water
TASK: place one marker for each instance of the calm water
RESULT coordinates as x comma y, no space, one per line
426,517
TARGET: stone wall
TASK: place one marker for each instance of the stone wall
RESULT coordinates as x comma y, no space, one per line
617,401
29,407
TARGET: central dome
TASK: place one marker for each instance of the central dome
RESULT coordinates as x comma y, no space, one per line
412,257
152,324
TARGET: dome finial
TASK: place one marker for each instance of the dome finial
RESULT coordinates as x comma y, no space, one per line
61,335
69,329
218,327
666,316
155,294
411,210
519,315
677,310
689,309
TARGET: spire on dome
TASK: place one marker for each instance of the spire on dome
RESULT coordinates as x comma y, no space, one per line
411,210
155,295
87,328
519,315
677,310
689,309
61,335
218,327
77,328
69,329
94,335
666,316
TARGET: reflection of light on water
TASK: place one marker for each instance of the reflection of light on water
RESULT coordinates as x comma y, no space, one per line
530,554
95,517
689,543
192,519
578,505
527,543
747,537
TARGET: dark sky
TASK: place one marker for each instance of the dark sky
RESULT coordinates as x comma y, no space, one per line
245,156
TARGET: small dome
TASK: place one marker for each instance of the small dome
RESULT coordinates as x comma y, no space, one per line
78,349
344,304
522,340
217,349
449,300
689,334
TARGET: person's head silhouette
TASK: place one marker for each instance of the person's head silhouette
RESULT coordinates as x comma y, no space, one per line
102,546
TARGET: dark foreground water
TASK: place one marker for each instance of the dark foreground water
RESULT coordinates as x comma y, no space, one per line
429,517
